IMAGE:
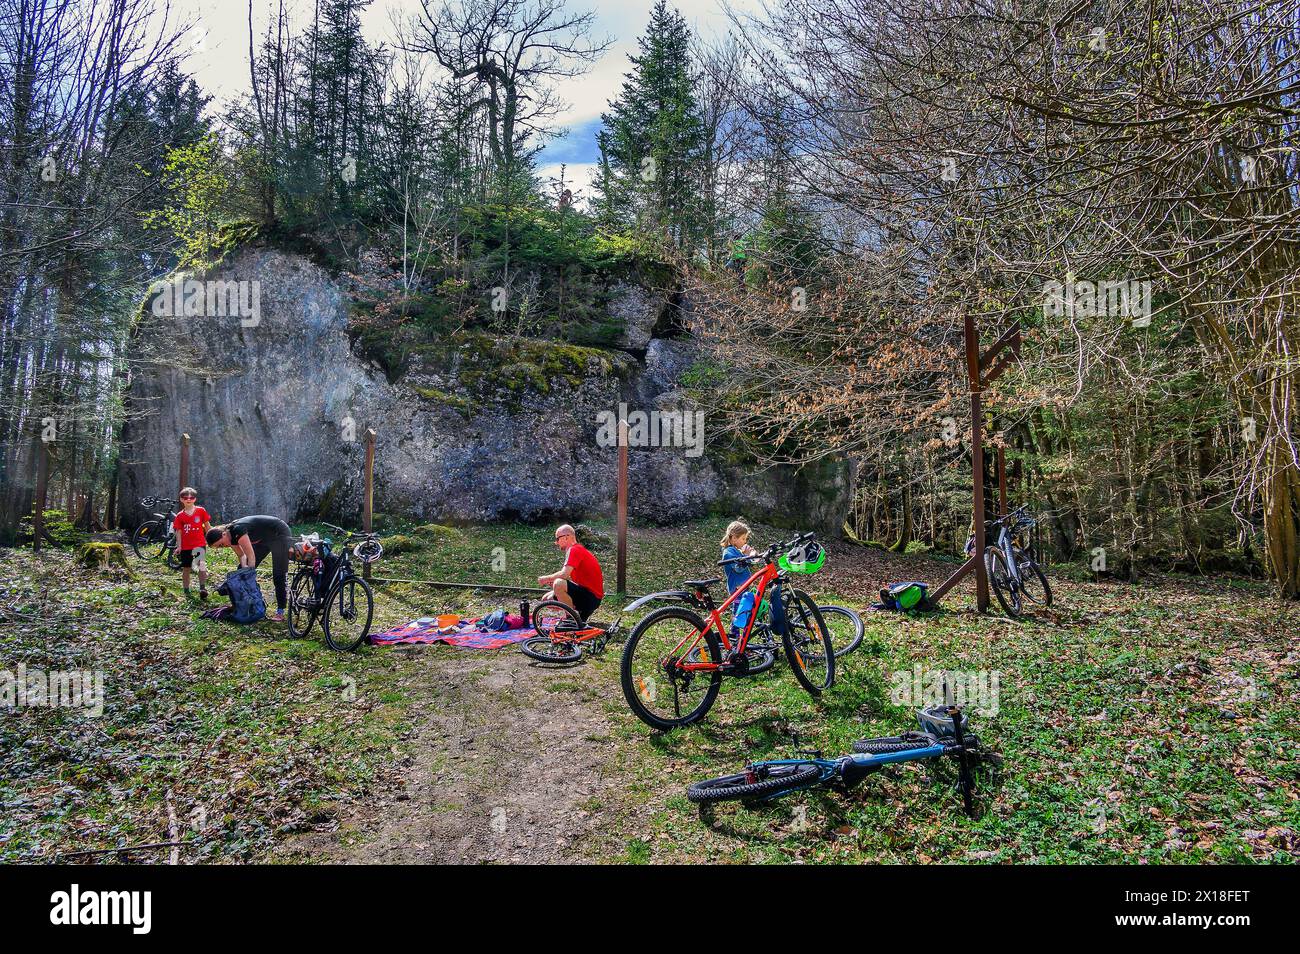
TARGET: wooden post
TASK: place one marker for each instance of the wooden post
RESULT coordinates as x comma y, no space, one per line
185,463
977,460
368,501
1002,481
42,479
110,508
982,370
622,506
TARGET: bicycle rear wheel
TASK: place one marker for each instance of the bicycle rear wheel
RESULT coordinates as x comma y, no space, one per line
765,781
807,643
302,603
149,540
349,608
552,615
845,627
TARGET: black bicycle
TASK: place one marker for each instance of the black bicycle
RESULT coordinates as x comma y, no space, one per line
327,586
1014,573
156,537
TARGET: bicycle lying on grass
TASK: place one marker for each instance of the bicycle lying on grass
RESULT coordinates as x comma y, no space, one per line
943,733
563,637
157,537
1014,572
674,659
329,587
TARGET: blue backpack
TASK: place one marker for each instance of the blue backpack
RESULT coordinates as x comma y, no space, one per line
246,603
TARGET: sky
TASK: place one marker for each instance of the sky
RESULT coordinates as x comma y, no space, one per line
218,60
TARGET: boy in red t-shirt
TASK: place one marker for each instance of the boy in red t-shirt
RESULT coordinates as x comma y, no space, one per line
192,523
579,583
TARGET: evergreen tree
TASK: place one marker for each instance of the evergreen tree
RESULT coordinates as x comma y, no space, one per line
653,138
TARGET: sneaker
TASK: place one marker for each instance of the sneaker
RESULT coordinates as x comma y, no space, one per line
203,595
279,616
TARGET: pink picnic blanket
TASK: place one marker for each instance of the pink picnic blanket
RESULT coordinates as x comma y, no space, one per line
464,635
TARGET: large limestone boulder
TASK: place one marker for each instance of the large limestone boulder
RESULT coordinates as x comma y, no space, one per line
486,428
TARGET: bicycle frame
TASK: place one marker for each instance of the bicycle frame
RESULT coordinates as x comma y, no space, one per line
586,634
851,768
769,575
1007,546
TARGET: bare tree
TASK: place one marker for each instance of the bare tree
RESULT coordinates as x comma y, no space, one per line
514,50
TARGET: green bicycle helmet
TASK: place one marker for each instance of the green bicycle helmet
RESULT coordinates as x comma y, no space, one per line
808,559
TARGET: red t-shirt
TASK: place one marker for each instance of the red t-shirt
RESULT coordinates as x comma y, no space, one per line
190,526
586,571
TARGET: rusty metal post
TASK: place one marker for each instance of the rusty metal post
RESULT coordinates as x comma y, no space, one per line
185,463
622,506
977,460
1002,481
368,501
42,482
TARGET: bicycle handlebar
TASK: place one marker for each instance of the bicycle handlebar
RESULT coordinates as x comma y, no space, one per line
771,552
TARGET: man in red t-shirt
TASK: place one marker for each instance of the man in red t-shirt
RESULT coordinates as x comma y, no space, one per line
192,523
579,583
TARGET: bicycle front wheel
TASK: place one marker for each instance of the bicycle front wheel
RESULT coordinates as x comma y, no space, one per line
1003,583
658,690
807,643
845,626
759,781
302,603
349,608
149,540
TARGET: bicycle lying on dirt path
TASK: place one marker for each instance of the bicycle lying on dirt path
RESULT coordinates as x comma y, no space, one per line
674,659
328,586
943,734
563,637
157,537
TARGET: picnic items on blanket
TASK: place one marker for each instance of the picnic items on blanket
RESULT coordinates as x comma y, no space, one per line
466,634
448,621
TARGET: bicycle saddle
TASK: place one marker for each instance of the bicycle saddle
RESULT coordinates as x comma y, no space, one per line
700,584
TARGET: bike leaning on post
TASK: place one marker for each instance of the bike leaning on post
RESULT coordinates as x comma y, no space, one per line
328,587
156,536
1014,573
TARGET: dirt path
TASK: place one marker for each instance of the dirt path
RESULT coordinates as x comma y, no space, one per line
510,763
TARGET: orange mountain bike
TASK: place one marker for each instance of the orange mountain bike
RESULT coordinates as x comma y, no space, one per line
562,636
675,658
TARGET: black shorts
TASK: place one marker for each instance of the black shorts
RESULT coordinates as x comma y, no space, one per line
187,556
584,601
